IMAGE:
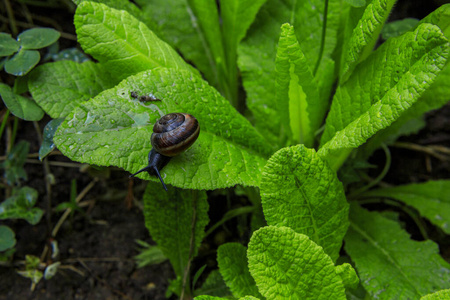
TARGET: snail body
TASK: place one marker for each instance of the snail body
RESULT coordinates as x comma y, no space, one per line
172,134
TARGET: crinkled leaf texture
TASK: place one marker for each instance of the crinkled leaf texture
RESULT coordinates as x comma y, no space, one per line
114,129
389,263
169,218
439,295
365,34
288,265
399,72
297,93
122,43
258,49
431,199
300,191
433,98
61,86
232,260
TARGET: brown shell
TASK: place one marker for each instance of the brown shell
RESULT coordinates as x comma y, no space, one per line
174,133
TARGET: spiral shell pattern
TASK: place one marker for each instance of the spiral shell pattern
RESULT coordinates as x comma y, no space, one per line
174,133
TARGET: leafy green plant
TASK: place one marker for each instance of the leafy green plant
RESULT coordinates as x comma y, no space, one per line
20,57
286,151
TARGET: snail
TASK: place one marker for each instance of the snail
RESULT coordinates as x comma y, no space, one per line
172,134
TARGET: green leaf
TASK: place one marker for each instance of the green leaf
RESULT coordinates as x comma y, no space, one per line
22,62
439,295
61,86
170,218
150,255
179,28
115,128
19,106
34,275
232,260
356,3
297,95
37,38
365,35
123,44
431,199
399,27
8,45
400,71
14,162
236,17
288,265
47,143
433,98
441,18
348,275
7,238
214,286
258,49
389,263
20,206
300,191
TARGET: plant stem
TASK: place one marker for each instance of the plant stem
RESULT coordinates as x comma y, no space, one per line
12,20
191,243
322,42
383,173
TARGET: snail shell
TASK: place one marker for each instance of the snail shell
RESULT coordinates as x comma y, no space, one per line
172,134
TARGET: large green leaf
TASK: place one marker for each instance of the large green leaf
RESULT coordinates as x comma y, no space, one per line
176,221
288,265
389,263
300,191
114,129
297,95
236,17
179,28
122,43
431,199
232,260
433,98
257,55
365,34
399,71
61,86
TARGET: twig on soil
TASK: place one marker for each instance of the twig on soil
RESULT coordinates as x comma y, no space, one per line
69,210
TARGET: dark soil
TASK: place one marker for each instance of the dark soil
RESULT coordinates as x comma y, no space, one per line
96,247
